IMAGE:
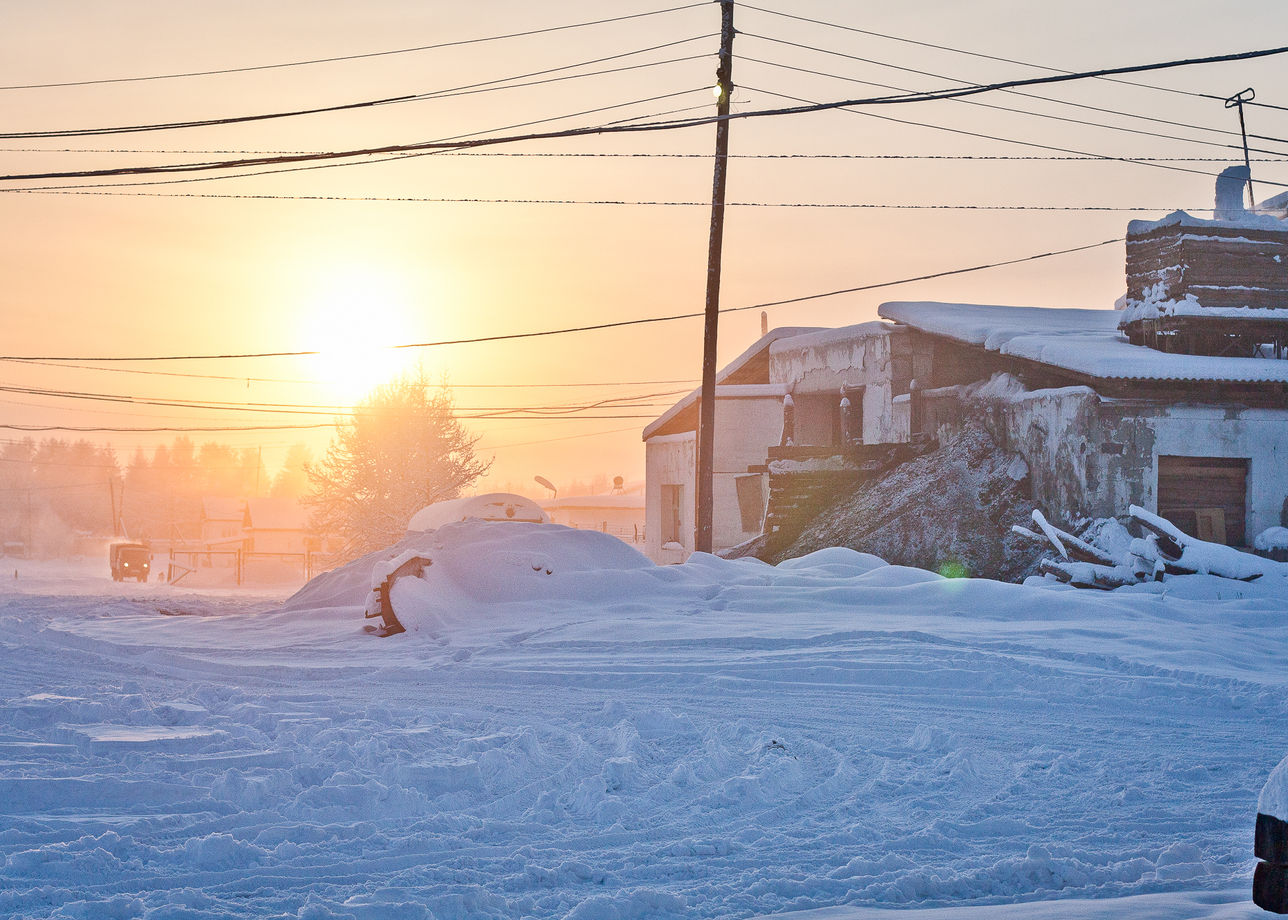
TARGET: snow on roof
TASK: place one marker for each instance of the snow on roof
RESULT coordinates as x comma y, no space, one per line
759,346
1247,220
491,506
824,337
1082,341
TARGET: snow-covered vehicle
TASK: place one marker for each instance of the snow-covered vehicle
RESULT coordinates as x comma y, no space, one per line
130,560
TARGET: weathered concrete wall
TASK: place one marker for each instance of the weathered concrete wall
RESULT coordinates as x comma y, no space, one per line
1093,457
819,364
745,430
746,427
1260,435
669,460
1086,458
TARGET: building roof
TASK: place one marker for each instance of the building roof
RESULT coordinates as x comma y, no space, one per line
275,514
749,369
223,509
1085,342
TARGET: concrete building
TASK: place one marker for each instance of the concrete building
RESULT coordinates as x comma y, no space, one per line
1165,402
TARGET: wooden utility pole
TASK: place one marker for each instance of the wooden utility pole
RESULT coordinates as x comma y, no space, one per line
707,405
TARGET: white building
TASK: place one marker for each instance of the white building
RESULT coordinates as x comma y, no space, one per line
1169,404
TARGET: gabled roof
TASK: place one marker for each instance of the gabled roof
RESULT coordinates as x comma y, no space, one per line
1085,342
223,509
751,368
275,514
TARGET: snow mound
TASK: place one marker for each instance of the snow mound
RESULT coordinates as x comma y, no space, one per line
1272,538
480,557
1273,800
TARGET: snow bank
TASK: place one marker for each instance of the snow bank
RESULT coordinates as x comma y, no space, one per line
607,738
1273,800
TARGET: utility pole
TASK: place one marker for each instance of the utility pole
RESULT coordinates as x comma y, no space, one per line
111,491
707,406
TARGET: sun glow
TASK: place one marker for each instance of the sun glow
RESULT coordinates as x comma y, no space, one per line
354,316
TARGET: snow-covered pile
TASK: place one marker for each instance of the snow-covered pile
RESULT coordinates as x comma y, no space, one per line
1110,558
595,737
1272,540
952,508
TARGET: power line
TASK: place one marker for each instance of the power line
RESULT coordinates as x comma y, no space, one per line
570,154
836,205
588,328
448,145
103,429
354,57
977,54
334,411
1017,111
952,93
1081,154
162,428
449,386
570,437
488,86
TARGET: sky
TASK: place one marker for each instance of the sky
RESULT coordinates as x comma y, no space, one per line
512,238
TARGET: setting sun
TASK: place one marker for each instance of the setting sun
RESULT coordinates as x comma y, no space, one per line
353,317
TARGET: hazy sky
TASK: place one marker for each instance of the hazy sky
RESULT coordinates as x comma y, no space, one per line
305,260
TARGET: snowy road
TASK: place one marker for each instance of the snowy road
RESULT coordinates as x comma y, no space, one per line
713,740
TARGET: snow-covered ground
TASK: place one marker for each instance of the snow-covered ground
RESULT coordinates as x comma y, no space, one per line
568,731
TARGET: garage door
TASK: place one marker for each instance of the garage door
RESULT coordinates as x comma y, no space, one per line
1207,497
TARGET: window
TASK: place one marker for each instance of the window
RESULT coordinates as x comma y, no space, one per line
672,518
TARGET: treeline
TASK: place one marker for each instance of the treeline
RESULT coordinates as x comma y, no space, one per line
56,494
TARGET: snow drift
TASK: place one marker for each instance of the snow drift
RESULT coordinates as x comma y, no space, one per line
603,738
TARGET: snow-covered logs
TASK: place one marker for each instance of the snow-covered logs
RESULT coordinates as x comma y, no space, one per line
1162,550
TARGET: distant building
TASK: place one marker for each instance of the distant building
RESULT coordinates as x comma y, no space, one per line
1177,401
277,525
223,522
620,513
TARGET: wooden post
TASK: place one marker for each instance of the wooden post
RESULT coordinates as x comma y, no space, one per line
706,419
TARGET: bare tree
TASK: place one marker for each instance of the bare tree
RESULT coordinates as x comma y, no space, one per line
402,449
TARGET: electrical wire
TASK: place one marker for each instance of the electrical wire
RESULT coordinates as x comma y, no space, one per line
571,437
447,145
1032,114
1081,154
836,205
570,154
354,57
951,93
977,54
295,380
488,86
334,411
588,328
